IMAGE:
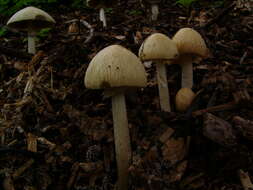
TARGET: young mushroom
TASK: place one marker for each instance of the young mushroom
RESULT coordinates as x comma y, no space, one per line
154,8
162,50
101,5
31,19
184,98
116,69
192,48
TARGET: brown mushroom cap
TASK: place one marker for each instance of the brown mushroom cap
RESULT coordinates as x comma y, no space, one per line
30,18
115,66
184,98
158,47
189,41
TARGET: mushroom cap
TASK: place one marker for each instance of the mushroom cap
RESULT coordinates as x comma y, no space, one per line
115,66
184,98
30,18
189,41
158,47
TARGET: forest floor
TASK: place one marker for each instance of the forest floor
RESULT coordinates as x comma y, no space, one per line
56,134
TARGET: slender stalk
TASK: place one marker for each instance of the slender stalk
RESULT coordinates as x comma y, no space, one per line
121,139
187,71
102,17
155,12
31,42
163,87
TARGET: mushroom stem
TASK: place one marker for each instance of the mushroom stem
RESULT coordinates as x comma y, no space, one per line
155,11
31,42
121,139
102,16
163,87
187,71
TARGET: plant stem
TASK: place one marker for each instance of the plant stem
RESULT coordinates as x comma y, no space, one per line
31,42
121,139
102,17
187,72
163,87
155,12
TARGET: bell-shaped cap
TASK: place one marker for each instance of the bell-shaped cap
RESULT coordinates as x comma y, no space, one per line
158,47
184,98
30,18
189,41
115,66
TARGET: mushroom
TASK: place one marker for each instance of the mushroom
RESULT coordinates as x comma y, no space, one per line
184,98
116,69
192,48
162,50
30,19
101,5
154,8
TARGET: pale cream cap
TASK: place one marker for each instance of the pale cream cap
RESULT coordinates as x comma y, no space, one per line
190,41
184,98
158,47
115,66
30,18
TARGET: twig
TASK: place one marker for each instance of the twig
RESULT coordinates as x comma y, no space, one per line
87,25
243,57
245,180
21,170
219,16
228,106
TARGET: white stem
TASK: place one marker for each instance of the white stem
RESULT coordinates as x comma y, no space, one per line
155,11
163,87
102,16
31,42
187,75
121,139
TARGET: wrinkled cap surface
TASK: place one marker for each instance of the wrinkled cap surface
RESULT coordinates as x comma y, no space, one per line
158,47
115,66
30,18
189,41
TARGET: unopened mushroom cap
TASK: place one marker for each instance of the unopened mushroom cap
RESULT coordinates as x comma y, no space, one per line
115,66
190,41
158,47
184,98
30,18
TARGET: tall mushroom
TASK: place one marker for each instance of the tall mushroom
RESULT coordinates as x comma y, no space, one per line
192,48
116,69
162,50
30,19
101,5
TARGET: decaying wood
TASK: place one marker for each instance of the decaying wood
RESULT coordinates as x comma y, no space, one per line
245,180
223,107
218,130
244,127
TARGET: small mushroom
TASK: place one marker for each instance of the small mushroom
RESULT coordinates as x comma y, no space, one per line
101,5
162,50
154,8
116,69
30,19
192,48
184,98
